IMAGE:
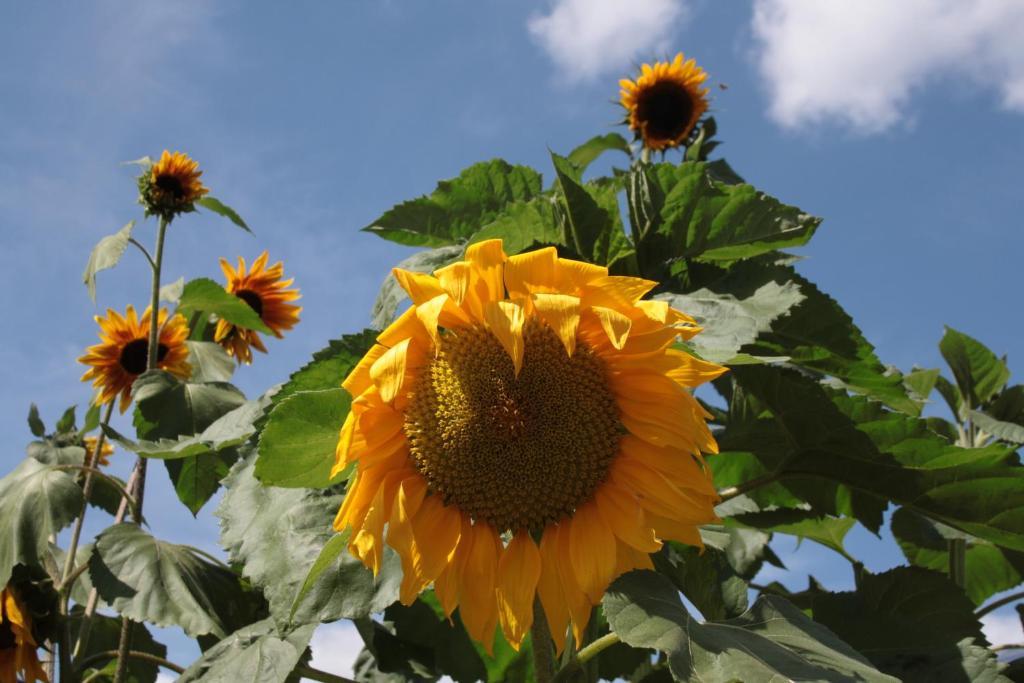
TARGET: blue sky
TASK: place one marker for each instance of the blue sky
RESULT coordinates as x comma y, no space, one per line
902,124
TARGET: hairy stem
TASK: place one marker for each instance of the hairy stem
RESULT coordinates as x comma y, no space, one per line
540,635
738,490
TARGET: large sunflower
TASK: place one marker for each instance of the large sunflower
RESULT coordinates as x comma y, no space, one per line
267,293
17,646
525,429
171,185
121,355
665,102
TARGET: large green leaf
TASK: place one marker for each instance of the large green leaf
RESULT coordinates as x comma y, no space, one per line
259,653
106,254
731,323
773,640
197,477
925,543
209,361
706,578
828,531
104,636
979,373
683,212
525,224
903,620
203,295
592,224
585,154
276,535
1010,432
391,295
36,501
167,407
297,443
329,366
163,583
458,207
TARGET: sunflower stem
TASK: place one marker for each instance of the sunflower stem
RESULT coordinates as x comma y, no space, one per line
540,635
68,575
738,490
140,464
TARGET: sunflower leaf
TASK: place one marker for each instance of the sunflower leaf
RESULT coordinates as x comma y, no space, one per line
104,636
772,640
206,296
257,652
36,501
218,207
979,373
1004,431
276,535
585,154
167,407
524,225
459,206
209,361
591,222
147,579
106,254
297,444
35,423
171,292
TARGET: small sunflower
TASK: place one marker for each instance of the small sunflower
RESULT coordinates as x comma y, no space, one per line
171,185
267,293
121,356
665,102
525,428
90,447
17,646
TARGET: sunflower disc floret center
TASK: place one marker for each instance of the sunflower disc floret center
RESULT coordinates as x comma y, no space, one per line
517,452
666,108
135,355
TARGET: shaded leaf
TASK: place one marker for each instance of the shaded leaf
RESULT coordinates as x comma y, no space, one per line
66,423
203,295
297,444
197,477
104,636
585,154
167,407
979,373
705,577
391,295
257,652
1004,431
592,226
772,640
218,207
523,225
106,254
828,531
209,361
36,501
35,423
166,584
458,207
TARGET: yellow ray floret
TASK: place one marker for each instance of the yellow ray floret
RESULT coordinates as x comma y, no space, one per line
171,185
266,291
525,429
103,459
120,357
665,102
18,660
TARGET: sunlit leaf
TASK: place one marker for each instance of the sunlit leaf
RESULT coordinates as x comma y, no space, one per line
209,361
206,296
585,154
979,373
329,366
297,443
218,207
258,652
106,254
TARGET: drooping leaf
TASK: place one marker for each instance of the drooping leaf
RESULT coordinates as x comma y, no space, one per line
166,584
106,254
56,450
773,640
1004,431
297,444
197,477
903,620
259,653
585,154
35,423
523,225
172,291
592,226
458,207
277,534
730,323
391,295
925,543
167,407
209,361
203,295
220,208
104,636
979,373
36,501
921,382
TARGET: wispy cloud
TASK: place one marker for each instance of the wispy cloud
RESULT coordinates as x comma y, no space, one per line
858,64
589,38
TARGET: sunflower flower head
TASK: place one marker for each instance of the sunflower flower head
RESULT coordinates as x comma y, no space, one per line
171,185
665,102
103,459
265,291
121,356
18,660
525,430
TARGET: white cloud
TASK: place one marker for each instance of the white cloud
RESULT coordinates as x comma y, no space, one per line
1001,628
859,63
588,38
335,648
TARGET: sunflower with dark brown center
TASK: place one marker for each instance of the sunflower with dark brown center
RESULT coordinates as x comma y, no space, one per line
526,429
665,102
120,357
266,292
171,185
18,660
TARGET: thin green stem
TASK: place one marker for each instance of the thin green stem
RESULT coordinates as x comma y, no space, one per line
540,635
645,155
318,675
145,252
596,648
985,609
132,654
738,490
140,464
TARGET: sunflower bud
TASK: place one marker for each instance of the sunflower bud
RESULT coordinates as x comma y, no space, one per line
171,186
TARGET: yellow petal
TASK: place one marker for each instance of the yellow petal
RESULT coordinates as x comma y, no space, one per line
614,324
617,291
592,551
533,271
505,320
477,603
455,278
419,286
401,537
388,372
622,513
437,528
341,451
429,312
549,588
575,598
562,314
575,275
488,257
518,573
